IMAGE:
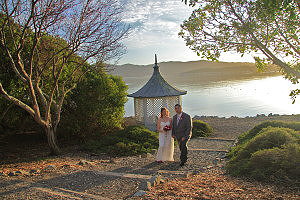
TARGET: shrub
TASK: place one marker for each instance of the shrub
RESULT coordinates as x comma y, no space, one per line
95,106
272,153
245,137
276,163
201,129
254,131
268,138
132,140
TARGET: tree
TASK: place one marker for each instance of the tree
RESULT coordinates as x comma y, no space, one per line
269,27
87,31
104,112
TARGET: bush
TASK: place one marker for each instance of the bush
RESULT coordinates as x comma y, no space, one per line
132,140
95,106
268,138
273,153
276,163
201,129
245,137
254,131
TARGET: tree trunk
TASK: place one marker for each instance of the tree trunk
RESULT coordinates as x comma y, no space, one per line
52,141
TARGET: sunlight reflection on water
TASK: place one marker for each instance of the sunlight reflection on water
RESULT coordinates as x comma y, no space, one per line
235,98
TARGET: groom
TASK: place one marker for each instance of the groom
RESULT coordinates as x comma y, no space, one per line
182,131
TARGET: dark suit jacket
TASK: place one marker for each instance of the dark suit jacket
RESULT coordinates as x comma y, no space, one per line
184,127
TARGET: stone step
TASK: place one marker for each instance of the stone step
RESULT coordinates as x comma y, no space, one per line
70,194
210,150
7,185
218,139
124,175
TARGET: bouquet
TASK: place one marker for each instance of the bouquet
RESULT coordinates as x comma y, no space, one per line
167,128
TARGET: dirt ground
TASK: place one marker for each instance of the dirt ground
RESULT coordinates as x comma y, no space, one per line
28,172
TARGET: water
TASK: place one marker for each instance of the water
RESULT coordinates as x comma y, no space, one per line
235,98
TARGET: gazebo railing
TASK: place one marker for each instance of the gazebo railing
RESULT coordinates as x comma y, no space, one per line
148,109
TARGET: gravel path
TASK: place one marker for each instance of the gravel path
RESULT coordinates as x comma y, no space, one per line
88,183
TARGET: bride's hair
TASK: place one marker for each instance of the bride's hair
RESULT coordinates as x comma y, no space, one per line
167,112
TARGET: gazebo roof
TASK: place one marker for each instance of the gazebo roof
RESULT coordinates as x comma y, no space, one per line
157,86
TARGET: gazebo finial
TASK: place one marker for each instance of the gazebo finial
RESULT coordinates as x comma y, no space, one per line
155,62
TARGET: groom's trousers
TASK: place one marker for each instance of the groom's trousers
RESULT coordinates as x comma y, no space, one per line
183,150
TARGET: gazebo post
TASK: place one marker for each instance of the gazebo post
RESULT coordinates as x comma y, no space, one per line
159,93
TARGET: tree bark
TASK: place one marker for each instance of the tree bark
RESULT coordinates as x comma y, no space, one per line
52,141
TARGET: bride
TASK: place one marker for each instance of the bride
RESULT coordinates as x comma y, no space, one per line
166,142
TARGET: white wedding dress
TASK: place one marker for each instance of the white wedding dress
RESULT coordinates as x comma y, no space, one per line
166,144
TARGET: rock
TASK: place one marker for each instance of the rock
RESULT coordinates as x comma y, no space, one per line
200,170
18,172
66,166
155,180
50,167
33,171
148,187
188,174
215,161
25,173
113,160
82,162
11,174
140,193
162,181
146,155
85,162
154,151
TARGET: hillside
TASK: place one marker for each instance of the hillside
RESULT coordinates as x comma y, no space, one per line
193,72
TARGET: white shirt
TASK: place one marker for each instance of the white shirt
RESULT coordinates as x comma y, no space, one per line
178,117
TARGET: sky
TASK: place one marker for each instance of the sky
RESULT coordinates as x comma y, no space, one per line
156,24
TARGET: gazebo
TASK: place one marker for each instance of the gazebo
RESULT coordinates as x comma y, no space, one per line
154,95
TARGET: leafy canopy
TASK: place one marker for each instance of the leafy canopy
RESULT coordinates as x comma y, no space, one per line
267,28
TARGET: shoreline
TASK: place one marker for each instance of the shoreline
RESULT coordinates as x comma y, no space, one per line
232,127
234,116
191,73
246,117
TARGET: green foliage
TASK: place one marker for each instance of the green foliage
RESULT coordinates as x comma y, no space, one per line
254,131
276,163
132,140
95,106
12,118
201,129
10,115
267,138
267,152
270,27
